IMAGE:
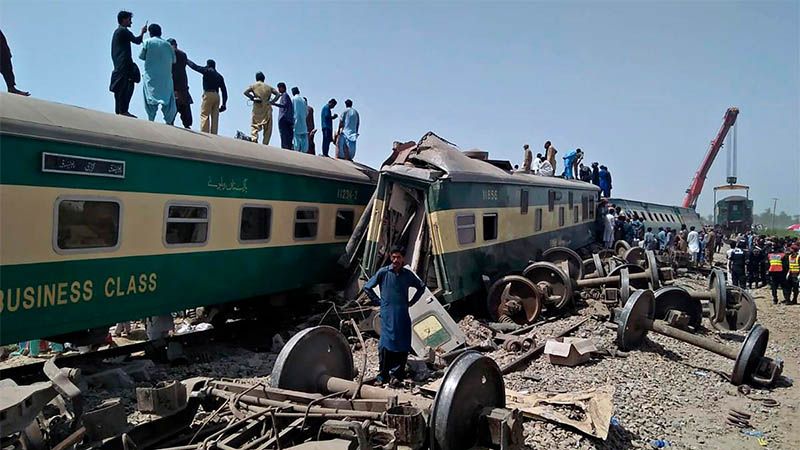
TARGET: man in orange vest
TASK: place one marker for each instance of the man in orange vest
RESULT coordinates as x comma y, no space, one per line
777,276
793,274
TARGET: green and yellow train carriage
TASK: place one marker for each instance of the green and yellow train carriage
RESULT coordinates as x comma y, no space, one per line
463,219
105,218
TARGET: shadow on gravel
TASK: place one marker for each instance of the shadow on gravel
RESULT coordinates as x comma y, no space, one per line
732,337
654,347
618,439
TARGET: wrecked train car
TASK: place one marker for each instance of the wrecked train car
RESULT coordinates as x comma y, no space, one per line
462,217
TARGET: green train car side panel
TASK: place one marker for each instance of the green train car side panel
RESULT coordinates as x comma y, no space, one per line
21,160
458,195
52,298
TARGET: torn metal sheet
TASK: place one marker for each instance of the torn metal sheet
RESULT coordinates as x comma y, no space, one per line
587,411
433,327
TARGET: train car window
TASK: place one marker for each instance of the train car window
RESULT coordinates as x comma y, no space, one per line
523,201
490,227
465,228
87,224
576,215
345,219
537,220
255,224
186,224
551,200
592,208
561,216
571,199
584,207
306,222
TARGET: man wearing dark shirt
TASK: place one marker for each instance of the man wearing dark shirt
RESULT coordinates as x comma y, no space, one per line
210,108
7,69
394,281
126,72
327,125
180,81
285,117
311,127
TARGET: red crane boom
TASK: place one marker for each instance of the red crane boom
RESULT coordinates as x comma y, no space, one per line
692,194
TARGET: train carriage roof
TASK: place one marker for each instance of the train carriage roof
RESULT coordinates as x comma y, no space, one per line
439,155
30,117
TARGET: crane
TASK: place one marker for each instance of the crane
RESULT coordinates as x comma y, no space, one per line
692,194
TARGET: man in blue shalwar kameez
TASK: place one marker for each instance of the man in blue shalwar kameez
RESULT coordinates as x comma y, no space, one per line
158,56
300,107
394,281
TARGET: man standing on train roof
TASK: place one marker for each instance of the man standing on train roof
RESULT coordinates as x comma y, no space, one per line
348,132
126,72
261,94
7,69
213,83
605,181
326,123
595,174
550,154
158,57
576,163
527,158
300,130
312,128
285,117
180,82
394,281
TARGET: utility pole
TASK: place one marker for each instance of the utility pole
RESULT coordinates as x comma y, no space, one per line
774,206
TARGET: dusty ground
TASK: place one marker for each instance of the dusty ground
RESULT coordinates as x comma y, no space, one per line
666,390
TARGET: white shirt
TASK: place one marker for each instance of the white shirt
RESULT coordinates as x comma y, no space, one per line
693,239
546,169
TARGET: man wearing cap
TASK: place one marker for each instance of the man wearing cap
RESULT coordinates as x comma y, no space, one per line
777,273
737,258
394,281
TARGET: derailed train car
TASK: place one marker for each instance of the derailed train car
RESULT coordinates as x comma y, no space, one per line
104,218
655,215
464,221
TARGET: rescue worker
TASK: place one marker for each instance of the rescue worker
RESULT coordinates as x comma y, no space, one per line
158,56
605,181
394,281
777,274
213,83
793,274
527,158
550,154
737,259
326,124
300,129
180,82
126,72
262,95
285,117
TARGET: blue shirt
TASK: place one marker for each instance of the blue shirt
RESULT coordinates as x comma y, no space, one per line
300,112
395,320
327,118
285,109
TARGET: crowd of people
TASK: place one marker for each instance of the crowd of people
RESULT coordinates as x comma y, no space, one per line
757,260
166,87
574,169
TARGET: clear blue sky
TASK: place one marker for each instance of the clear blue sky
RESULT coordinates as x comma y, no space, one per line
640,86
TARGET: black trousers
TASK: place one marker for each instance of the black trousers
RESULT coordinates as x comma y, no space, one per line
327,140
183,102
8,72
392,364
122,96
739,279
792,289
753,276
286,129
778,280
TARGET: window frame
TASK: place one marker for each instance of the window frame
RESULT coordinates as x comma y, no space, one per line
241,216
355,220
592,208
571,199
85,198
524,200
496,225
294,223
562,216
551,200
474,226
538,219
190,203
576,215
